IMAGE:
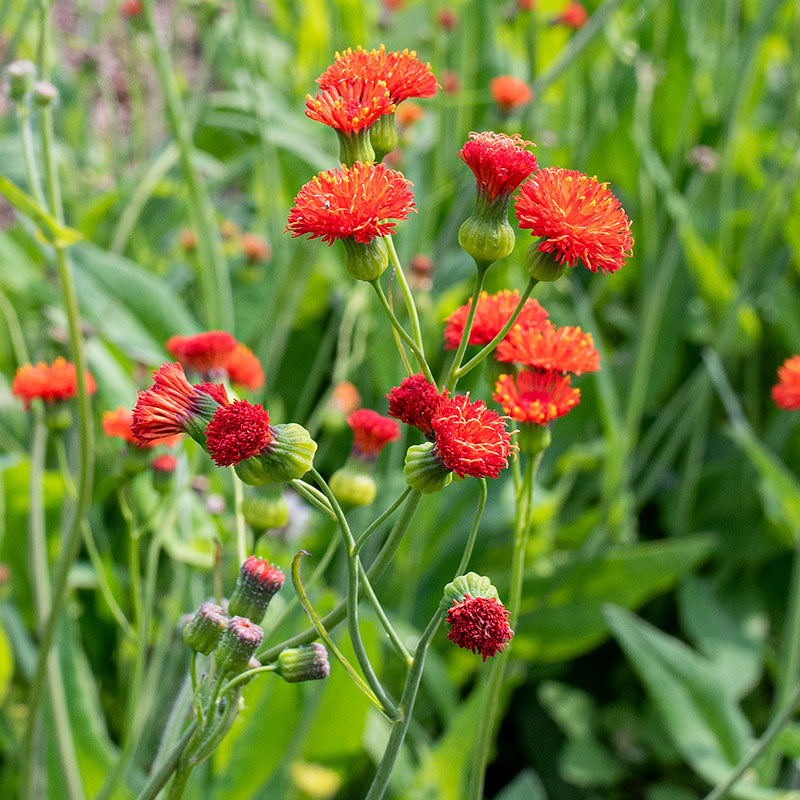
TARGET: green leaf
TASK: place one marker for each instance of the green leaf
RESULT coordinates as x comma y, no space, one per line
699,710
526,786
563,622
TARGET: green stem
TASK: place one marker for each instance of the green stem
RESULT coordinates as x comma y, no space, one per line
242,677
213,271
783,715
362,540
34,183
452,373
473,533
420,356
375,570
413,316
487,722
72,540
353,575
241,527
487,349
314,496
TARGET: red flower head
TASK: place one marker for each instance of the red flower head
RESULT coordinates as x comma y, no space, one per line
451,82
577,217
118,424
237,431
786,392
165,463
172,406
471,439
491,315
371,433
573,16
566,349
52,383
510,92
359,202
244,369
500,162
536,397
447,18
416,402
479,624
131,8
403,74
204,352
255,248
350,105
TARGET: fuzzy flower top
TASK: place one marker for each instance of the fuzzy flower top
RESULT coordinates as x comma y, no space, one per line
536,397
786,392
416,402
203,352
351,105
371,432
499,162
236,432
479,624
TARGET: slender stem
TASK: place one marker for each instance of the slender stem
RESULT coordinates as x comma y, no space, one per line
398,339
72,540
162,773
473,533
314,496
420,356
34,183
214,279
241,528
246,675
394,637
362,540
452,373
413,316
40,579
486,350
487,721
775,727
353,575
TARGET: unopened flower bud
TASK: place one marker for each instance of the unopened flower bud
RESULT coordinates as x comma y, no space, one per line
533,438
306,663
258,581
487,235
353,484
542,266
44,93
365,261
202,632
20,79
237,645
424,470
265,511
383,135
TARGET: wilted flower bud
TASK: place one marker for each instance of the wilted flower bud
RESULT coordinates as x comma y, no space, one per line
203,630
306,663
258,581
237,645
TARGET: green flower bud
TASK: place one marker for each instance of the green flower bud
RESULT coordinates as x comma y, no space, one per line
470,584
383,135
424,470
353,484
202,632
257,583
306,663
533,438
44,93
542,266
487,235
237,645
355,147
267,510
20,79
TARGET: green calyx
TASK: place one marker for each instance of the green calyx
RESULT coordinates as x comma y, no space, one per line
287,457
353,484
365,261
238,643
487,235
305,663
424,470
470,584
203,631
266,511
383,135
355,147
533,438
542,266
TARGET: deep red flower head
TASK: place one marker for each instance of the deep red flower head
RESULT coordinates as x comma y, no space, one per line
168,407
577,218
786,392
204,352
492,313
471,439
259,571
479,624
359,202
350,105
131,8
118,424
371,432
237,432
244,369
415,402
510,92
566,349
403,73
573,16
499,162
447,19
50,382
536,396
164,463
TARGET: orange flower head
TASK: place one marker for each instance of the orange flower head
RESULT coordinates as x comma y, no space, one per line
255,248
409,113
359,202
566,349
416,402
479,624
205,353
371,433
350,105
499,162
172,406
244,369
573,16
491,315
403,74
345,398
510,92
471,439
237,431
51,383
188,239
577,217
786,392
535,396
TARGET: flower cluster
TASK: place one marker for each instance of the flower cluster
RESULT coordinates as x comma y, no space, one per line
52,383
786,392
218,354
